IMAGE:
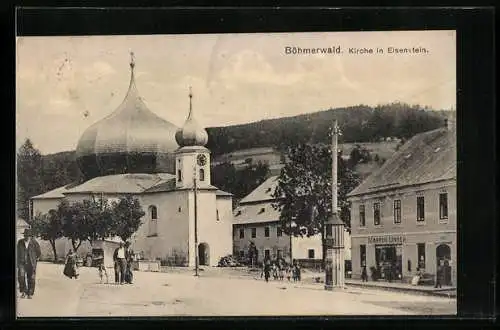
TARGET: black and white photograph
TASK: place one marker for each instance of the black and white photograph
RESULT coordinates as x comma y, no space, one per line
237,174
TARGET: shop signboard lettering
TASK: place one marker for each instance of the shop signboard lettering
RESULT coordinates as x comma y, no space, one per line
388,239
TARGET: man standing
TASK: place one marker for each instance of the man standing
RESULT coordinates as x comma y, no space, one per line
28,253
129,257
120,263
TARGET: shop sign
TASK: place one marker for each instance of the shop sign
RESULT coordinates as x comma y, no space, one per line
389,239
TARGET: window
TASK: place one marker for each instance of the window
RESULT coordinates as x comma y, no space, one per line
362,254
397,211
217,215
153,220
254,232
310,254
242,254
279,232
279,254
154,212
267,253
376,214
420,208
202,174
421,255
362,219
179,175
266,231
242,233
443,206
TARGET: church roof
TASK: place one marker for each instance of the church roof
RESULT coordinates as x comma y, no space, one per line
132,129
122,183
425,158
191,134
54,193
263,192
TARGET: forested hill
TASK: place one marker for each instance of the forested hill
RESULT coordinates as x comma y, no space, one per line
358,124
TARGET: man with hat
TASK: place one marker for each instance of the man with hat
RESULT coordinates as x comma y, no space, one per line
28,253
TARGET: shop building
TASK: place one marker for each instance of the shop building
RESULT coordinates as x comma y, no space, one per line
403,216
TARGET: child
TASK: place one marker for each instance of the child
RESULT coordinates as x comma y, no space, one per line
103,272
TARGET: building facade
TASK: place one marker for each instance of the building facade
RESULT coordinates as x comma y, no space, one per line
256,221
403,216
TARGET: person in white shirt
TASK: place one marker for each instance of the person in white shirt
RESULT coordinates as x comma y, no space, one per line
120,264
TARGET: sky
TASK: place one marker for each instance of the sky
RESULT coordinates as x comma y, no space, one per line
65,84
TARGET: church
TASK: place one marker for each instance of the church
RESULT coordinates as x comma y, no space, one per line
135,152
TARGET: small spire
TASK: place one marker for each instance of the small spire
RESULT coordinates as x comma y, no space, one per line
190,102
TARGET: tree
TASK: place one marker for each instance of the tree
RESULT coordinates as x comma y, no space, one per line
48,227
29,177
304,194
126,214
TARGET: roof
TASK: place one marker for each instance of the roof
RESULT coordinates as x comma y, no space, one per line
255,213
20,223
263,192
122,183
55,193
427,157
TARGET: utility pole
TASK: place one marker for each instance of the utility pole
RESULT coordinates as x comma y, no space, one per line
195,189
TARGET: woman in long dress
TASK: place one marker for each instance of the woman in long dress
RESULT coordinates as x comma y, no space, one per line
70,267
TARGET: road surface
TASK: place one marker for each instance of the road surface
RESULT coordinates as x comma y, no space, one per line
182,294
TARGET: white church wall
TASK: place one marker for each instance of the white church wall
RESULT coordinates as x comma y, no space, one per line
216,233
43,206
170,241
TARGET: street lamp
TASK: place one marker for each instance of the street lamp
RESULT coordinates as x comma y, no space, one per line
195,190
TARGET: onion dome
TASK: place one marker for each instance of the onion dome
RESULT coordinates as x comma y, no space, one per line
132,139
191,134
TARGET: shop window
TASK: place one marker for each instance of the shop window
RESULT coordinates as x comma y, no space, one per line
389,261
397,211
310,253
254,232
421,255
420,208
376,214
362,254
242,233
362,219
279,232
443,206
266,232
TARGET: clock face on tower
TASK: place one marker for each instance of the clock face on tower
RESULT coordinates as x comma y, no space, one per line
201,160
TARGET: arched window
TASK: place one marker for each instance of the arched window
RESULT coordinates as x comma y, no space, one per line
202,174
153,220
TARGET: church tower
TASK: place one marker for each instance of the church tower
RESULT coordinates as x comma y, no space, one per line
192,159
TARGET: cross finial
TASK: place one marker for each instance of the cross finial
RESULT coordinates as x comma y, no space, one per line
132,60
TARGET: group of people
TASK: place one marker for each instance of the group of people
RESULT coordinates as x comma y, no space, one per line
279,269
123,257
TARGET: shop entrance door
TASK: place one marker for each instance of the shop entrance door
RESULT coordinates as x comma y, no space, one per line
443,257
